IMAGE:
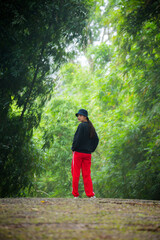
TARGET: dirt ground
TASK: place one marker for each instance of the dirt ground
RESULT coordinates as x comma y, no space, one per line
78,219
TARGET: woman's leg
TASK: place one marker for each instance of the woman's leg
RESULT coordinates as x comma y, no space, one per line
86,173
75,169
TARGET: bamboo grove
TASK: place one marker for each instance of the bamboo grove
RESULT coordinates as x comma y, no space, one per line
43,84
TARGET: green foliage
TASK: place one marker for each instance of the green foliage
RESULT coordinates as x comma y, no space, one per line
56,131
35,36
100,55
120,89
22,159
121,92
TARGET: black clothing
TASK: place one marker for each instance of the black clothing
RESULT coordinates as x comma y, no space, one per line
82,141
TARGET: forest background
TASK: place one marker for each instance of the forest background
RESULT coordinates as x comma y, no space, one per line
60,56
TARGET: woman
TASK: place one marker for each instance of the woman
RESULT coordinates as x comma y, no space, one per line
84,143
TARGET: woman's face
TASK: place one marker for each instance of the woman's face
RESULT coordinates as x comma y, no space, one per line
81,118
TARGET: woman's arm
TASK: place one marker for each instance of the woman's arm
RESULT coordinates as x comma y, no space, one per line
78,137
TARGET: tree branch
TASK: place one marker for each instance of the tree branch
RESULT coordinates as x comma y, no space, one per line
30,91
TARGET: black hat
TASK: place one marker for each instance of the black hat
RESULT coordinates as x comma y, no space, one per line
82,112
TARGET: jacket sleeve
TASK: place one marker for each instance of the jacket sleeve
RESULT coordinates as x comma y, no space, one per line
78,137
95,142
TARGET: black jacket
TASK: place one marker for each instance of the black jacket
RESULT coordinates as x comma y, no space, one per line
82,141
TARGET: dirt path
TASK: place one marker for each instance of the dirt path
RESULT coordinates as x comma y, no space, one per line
57,218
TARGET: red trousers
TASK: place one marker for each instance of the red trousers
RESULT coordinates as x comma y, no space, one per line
81,160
